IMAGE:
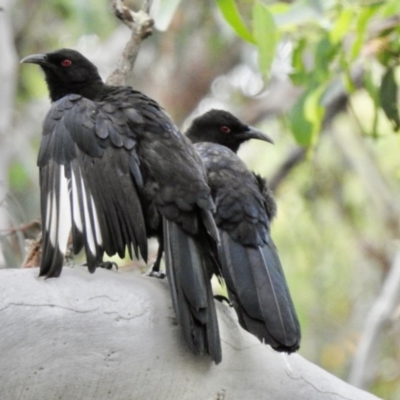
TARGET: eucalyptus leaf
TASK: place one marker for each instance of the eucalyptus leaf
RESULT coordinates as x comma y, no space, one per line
299,125
341,26
305,118
314,111
325,52
390,8
388,97
299,75
231,14
361,27
265,34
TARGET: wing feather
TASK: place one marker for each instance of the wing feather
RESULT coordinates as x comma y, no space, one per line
250,264
89,183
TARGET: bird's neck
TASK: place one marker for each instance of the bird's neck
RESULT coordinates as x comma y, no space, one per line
92,89
202,137
193,137
234,146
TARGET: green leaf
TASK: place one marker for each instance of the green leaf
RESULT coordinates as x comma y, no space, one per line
371,88
391,8
325,52
341,26
361,28
265,34
348,82
305,118
299,125
347,78
314,111
164,13
300,75
231,14
388,97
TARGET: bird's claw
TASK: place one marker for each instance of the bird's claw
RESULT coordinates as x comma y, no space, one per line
155,273
104,264
108,265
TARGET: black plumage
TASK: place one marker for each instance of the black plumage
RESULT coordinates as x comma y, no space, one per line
115,170
244,209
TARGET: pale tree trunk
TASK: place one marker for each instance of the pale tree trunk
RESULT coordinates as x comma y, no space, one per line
113,335
381,315
8,75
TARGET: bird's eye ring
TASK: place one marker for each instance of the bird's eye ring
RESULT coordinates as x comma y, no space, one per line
224,129
66,63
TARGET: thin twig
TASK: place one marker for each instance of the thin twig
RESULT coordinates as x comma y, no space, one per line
22,228
141,26
295,157
334,105
33,252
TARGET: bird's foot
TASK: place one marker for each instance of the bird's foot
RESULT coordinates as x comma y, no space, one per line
155,273
108,265
103,264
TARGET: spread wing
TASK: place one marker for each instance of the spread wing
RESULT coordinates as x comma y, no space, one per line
90,181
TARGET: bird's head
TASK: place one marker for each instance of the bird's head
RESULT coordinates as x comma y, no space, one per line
67,71
221,127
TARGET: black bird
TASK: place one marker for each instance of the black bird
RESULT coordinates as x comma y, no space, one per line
244,210
115,170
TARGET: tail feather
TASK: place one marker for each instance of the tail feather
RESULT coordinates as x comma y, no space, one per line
210,225
191,291
258,290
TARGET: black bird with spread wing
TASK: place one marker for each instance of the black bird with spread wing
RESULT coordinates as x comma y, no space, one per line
244,209
114,170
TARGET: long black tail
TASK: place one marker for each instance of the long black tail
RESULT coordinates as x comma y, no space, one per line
189,282
258,290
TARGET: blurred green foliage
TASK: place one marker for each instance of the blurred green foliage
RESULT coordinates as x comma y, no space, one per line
334,35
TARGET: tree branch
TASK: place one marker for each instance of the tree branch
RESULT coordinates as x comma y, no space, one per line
294,158
8,75
114,335
363,367
141,26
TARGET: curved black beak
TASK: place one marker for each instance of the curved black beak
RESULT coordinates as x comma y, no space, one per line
254,133
35,59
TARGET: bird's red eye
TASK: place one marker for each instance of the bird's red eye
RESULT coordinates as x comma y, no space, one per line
66,63
224,129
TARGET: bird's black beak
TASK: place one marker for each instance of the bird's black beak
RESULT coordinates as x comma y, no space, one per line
40,59
253,133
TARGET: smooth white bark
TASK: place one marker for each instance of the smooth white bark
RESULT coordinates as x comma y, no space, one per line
364,364
113,335
8,74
